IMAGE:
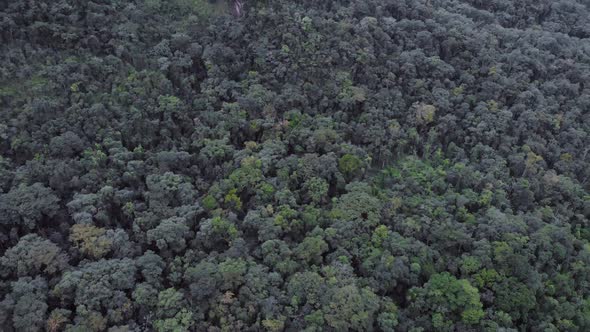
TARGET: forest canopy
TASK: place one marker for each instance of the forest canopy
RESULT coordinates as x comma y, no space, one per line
295,165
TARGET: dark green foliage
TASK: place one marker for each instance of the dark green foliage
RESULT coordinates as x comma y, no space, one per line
26,206
100,289
27,303
360,165
33,255
447,301
170,234
349,164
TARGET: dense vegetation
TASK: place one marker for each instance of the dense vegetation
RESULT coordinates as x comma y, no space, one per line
387,165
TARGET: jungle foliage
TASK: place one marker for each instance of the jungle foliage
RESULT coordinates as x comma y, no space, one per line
360,165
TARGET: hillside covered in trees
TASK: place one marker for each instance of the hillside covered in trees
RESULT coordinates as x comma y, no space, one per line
294,165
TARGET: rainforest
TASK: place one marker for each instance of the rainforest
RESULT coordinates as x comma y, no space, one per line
294,165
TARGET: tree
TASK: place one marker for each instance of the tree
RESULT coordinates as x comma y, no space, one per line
90,240
350,308
388,316
217,230
232,273
349,165
170,234
57,319
27,205
151,267
97,287
28,304
311,249
317,189
302,166
447,301
278,256
514,298
203,280
33,255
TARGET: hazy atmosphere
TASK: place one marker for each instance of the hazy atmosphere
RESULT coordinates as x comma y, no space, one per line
294,165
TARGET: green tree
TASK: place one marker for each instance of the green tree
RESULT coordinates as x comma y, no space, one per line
27,302
170,234
350,165
33,255
27,205
311,249
447,301
350,308
90,240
